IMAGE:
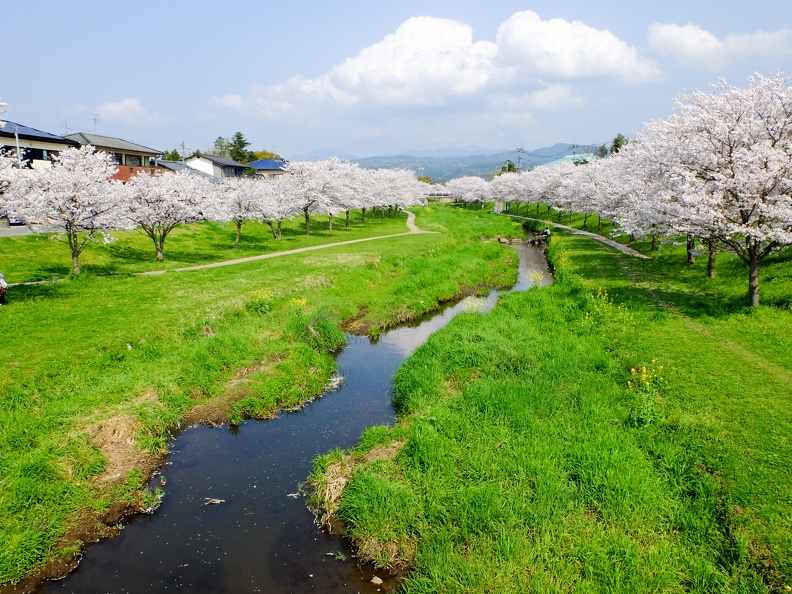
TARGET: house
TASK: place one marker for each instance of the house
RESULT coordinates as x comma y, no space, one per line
125,152
37,147
216,166
130,158
269,167
177,166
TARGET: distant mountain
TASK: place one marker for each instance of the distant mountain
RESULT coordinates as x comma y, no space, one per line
325,153
442,153
448,163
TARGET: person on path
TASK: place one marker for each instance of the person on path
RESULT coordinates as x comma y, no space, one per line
3,289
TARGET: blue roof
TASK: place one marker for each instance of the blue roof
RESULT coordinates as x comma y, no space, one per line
29,133
268,164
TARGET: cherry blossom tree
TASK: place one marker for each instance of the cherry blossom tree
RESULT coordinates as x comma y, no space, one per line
160,202
313,186
6,177
77,193
507,188
235,199
728,155
469,189
395,187
276,202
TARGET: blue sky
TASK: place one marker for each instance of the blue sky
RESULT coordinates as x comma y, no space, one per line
372,78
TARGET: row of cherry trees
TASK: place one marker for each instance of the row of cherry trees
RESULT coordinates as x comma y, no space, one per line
719,169
78,194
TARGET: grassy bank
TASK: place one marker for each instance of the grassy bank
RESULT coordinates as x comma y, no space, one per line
95,371
624,430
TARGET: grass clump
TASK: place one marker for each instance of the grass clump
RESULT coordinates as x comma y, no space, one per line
588,436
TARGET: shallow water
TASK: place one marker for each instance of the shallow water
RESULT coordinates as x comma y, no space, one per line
262,538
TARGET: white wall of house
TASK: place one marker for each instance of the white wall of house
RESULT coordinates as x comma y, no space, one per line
203,165
11,144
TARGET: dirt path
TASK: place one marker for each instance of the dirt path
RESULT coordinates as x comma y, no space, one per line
413,230
600,238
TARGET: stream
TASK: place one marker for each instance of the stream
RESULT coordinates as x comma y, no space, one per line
262,537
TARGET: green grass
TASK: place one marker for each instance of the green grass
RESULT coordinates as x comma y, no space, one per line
141,351
42,256
624,430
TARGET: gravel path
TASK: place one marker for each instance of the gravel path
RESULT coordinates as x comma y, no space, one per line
413,230
600,238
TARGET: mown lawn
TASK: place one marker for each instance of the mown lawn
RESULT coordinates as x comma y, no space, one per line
42,256
92,363
624,430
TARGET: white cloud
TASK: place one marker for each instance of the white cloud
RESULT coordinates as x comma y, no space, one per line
689,44
563,50
433,63
695,47
129,111
426,60
549,98
761,43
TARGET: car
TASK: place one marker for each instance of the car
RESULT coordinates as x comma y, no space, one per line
13,220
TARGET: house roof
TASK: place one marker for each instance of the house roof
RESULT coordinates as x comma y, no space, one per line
111,143
28,133
222,161
268,164
180,166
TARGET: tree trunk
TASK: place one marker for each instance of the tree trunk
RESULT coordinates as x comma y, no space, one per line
160,243
383,213
347,220
753,273
272,228
691,249
560,214
74,245
363,210
632,238
654,242
238,233
599,223
390,210
280,235
712,252
329,222
570,217
585,219
307,221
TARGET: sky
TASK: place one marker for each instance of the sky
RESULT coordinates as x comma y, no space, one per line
373,78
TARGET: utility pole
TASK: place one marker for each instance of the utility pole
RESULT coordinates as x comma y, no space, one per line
65,128
574,149
95,117
184,151
19,150
520,153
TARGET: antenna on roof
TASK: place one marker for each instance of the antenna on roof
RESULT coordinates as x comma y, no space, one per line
95,118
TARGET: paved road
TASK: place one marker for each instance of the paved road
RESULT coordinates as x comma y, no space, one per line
17,230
